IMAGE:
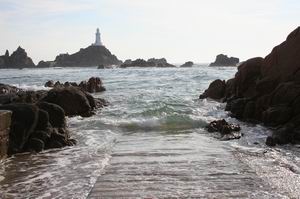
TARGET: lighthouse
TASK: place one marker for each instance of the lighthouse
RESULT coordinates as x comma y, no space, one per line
98,38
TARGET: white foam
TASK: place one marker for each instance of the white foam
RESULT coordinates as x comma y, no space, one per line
31,87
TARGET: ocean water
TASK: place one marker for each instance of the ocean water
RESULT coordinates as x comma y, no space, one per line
150,142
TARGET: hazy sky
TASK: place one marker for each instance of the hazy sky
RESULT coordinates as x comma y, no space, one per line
180,30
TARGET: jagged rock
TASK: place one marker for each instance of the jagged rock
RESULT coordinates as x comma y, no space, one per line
32,128
187,64
19,59
149,63
224,60
228,131
73,100
49,83
56,114
246,77
93,85
283,135
23,122
268,90
90,56
275,116
7,89
216,90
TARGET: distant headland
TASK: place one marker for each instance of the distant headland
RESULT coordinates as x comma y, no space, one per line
94,55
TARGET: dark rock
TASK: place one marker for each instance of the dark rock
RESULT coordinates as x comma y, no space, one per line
230,88
237,107
90,56
55,112
246,77
249,111
35,144
283,62
73,100
270,141
265,86
8,98
228,131
29,96
216,125
101,66
49,83
216,90
7,89
286,93
57,140
93,85
24,121
39,125
43,120
150,63
187,64
58,84
19,59
283,135
268,90
275,116
42,135
224,60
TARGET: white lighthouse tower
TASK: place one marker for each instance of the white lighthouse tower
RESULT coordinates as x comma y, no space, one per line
98,41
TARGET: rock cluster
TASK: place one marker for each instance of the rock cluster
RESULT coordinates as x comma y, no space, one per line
187,64
267,90
224,60
38,117
36,127
90,56
149,63
93,85
227,131
18,59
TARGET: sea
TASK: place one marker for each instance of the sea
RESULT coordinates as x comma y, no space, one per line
150,142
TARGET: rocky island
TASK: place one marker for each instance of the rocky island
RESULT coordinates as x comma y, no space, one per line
18,59
266,90
187,64
224,60
94,55
162,63
90,56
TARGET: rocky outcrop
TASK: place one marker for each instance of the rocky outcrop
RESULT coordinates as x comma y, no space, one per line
93,85
149,63
90,56
32,129
215,91
38,117
224,60
267,90
226,130
18,59
187,64
73,101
